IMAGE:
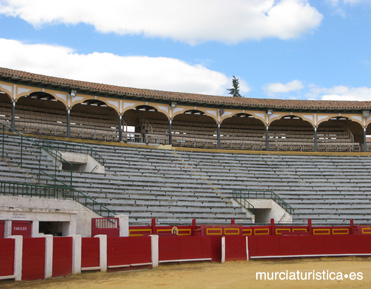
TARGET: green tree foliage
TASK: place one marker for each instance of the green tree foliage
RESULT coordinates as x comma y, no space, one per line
235,91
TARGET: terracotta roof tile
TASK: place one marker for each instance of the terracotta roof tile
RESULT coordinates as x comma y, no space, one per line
98,88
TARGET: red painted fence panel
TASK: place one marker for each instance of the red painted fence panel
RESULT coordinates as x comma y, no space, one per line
123,251
33,264
265,246
7,257
89,252
235,248
23,228
62,256
184,248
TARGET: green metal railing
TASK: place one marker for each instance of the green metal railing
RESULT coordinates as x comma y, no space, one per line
265,194
241,199
40,190
78,148
57,156
53,192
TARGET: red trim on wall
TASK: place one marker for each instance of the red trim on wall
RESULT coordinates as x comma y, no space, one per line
2,224
23,228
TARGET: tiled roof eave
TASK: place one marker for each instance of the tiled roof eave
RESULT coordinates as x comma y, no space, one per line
186,98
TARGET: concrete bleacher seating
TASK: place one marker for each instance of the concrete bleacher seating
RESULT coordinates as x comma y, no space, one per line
177,186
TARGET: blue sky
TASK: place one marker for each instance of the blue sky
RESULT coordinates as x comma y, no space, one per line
291,49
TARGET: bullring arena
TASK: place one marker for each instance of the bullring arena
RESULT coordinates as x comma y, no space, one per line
114,179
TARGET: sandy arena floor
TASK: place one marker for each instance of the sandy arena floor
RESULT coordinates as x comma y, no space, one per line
213,275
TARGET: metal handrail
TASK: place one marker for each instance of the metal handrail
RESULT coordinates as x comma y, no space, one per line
80,148
49,150
56,192
243,201
77,195
266,194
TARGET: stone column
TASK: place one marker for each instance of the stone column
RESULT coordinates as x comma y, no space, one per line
68,122
170,132
267,138
13,115
218,135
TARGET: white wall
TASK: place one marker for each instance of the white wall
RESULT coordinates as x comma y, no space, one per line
48,210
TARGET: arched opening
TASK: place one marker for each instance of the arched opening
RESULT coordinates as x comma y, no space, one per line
242,131
94,119
144,124
194,128
40,113
339,134
291,133
5,109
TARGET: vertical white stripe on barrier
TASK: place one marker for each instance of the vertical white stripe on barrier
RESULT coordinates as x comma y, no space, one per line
247,249
48,256
154,250
18,255
102,252
76,254
223,250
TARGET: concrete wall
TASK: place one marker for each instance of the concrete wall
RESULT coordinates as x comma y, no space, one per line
84,161
75,217
267,209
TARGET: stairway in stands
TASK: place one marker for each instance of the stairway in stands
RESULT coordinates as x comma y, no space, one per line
177,186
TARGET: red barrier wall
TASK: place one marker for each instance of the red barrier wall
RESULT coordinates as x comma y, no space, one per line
125,251
215,246
235,248
2,223
23,228
185,248
62,256
89,252
265,246
7,257
33,264
235,230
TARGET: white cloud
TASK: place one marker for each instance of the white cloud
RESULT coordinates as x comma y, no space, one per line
132,71
191,21
343,93
272,89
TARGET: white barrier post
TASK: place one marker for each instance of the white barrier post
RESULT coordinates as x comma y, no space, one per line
76,254
247,249
48,256
102,252
124,225
7,228
223,250
154,250
18,255
35,229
